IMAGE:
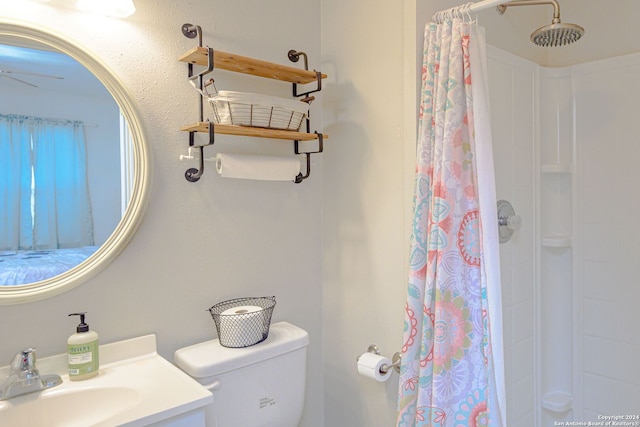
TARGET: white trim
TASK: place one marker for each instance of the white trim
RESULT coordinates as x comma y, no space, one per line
127,161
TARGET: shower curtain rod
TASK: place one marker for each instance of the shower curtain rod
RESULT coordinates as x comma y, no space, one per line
476,7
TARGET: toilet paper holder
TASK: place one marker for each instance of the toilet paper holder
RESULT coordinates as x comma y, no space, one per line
395,361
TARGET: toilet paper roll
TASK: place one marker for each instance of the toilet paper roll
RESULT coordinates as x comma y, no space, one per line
241,326
266,168
369,365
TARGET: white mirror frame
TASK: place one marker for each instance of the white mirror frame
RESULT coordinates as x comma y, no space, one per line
132,217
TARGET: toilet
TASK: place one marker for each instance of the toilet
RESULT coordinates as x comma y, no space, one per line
258,386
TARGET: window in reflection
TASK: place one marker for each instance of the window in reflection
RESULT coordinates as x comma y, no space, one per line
45,190
63,186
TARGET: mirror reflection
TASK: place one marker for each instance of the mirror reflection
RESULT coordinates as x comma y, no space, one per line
63,144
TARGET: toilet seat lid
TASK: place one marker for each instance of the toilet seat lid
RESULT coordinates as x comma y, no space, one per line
210,358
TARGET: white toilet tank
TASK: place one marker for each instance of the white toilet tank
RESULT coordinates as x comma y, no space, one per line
258,386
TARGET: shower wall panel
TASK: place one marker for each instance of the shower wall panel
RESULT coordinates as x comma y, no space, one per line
607,97
555,209
513,88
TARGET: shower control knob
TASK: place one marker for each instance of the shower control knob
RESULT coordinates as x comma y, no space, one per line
514,222
508,221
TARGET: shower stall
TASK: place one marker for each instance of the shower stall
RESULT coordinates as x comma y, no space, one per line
565,140
565,143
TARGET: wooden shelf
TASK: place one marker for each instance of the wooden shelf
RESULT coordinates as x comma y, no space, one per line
245,65
251,131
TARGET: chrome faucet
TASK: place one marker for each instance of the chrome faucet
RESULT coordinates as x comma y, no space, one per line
24,378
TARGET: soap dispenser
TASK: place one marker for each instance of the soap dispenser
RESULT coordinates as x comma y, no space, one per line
82,348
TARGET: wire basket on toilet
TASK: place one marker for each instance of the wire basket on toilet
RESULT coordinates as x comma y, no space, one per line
243,322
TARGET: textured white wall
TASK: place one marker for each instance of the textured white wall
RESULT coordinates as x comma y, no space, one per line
198,243
364,202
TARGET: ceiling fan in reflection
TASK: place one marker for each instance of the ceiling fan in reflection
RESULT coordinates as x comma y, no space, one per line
8,74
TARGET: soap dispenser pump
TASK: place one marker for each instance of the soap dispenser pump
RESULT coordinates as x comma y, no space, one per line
82,348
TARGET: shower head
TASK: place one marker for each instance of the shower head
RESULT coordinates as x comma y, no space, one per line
555,34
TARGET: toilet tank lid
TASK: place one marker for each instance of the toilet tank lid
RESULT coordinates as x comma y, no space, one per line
209,358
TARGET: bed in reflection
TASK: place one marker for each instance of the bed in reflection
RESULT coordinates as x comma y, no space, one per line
23,267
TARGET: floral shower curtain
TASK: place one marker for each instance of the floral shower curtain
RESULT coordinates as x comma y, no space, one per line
452,363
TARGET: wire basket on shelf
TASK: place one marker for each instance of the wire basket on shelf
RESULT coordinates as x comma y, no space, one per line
255,110
243,322
252,109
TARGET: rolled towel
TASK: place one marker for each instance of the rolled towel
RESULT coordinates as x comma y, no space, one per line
265,168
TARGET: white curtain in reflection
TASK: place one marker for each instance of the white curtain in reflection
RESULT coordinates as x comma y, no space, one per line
62,208
15,184
54,181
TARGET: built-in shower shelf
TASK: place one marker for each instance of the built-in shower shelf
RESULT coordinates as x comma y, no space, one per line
557,401
556,241
557,168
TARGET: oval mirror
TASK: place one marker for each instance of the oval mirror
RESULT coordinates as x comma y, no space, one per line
74,164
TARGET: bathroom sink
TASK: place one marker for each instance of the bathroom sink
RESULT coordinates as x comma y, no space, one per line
135,387
69,408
